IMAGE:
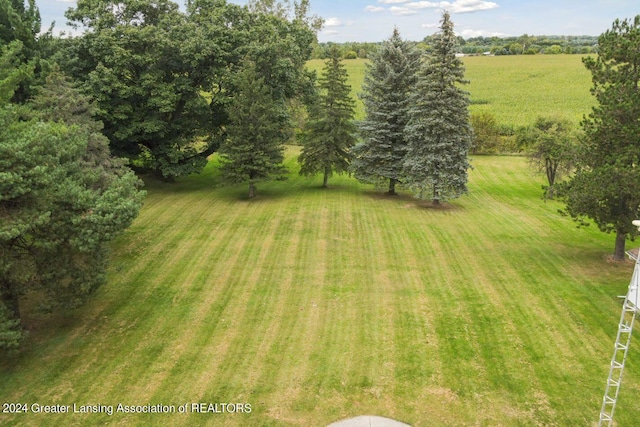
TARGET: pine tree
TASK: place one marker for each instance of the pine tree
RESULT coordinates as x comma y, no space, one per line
330,132
254,150
63,198
438,132
389,79
606,184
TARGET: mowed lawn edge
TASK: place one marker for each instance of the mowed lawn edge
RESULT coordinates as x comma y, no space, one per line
316,305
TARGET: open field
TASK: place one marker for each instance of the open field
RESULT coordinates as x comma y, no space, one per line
516,89
315,305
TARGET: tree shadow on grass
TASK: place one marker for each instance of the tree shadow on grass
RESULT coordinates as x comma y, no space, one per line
406,200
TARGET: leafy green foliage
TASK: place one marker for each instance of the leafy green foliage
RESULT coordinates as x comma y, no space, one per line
551,146
389,81
254,150
438,132
486,133
62,199
139,61
330,132
12,71
20,27
164,79
606,186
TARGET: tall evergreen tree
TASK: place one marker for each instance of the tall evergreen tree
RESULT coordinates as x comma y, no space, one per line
330,133
62,199
254,150
606,184
438,132
389,80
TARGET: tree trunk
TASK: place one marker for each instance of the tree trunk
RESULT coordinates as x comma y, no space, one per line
392,186
11,301
157,172
252,190
325,183
621,239
436,196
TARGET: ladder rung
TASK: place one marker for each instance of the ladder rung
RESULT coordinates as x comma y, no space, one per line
614,383
620,346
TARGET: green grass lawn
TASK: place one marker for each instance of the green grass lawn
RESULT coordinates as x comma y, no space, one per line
315,305
516,89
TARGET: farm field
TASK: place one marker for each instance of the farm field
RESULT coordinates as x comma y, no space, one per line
516,89
316,305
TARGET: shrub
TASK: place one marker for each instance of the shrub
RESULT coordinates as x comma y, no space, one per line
486,133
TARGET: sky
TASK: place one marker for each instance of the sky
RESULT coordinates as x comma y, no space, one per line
374,20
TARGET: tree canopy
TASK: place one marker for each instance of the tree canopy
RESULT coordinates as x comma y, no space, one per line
551,144
163,78
62,199
606,185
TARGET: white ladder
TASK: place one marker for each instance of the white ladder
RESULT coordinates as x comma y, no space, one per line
621,348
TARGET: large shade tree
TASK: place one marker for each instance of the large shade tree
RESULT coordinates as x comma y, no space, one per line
438,132
139,59
163,78
606,185
389,80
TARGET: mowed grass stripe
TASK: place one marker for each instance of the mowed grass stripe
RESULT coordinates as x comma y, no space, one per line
315,305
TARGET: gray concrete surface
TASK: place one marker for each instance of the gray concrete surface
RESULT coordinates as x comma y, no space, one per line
368,421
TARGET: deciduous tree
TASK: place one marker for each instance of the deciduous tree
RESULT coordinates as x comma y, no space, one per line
606,185
389,81
551,145
164,78
140,61
330,133
438,132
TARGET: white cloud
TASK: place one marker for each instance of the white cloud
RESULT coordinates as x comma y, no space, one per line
66,1
429,26
422,5
468,6
402,11
332,22
408,7
469,33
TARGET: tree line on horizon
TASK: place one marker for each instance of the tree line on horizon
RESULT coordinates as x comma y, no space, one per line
521,45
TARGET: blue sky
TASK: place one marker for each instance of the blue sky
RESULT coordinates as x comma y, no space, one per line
374,20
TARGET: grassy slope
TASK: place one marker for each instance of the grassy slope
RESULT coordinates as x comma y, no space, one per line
318,305
516,89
